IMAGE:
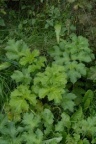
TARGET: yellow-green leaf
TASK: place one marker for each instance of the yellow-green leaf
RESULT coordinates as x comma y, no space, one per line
4,65
57,31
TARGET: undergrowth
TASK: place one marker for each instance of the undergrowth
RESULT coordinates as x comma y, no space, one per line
47,73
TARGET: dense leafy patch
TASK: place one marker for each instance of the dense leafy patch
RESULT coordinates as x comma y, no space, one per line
73,54
46,87
47,72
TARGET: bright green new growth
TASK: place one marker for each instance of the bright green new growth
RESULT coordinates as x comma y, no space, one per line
29,62
73,55
21,99
51,83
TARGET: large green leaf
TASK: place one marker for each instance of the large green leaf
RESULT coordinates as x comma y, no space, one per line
19,105
21,98
68,101
22,76
51,83
29,57
15,50
31,121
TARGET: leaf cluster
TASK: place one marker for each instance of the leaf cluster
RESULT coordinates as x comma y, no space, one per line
73,55
42,108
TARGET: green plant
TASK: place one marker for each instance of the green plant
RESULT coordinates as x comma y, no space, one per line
43,99
53,16
9,132
42,89
21,98
73,54
35,85
52,85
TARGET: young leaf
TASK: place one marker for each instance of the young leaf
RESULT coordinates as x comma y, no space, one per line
52,85
37,64
21,98
57,31
29,58
19,105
